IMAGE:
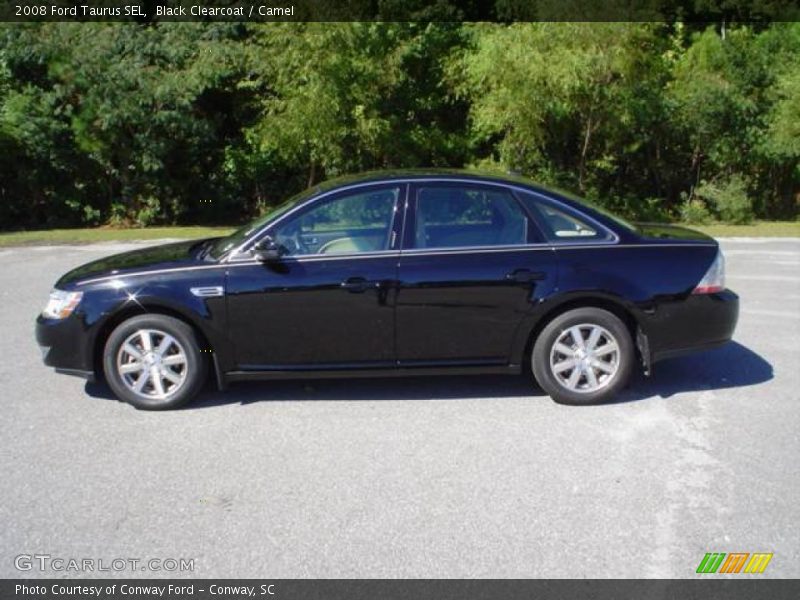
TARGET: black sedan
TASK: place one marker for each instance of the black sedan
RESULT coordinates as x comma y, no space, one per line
396,274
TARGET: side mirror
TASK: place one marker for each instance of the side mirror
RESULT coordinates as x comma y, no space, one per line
267,250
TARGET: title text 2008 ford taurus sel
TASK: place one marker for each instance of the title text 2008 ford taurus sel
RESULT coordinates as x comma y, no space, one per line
396,273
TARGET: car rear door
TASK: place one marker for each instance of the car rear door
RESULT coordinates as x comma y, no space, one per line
473,264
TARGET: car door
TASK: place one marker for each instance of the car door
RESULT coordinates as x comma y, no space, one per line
473,265
328,301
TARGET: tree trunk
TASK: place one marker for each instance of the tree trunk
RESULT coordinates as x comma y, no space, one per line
696,160
582,165
312,174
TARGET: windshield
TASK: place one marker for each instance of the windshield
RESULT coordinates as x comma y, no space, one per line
223,245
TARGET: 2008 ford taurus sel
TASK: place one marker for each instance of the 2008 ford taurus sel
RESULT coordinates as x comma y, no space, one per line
396,273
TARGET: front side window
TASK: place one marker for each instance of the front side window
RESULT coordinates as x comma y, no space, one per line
346,224
459,216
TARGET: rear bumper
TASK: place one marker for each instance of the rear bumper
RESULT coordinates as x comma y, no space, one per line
699,322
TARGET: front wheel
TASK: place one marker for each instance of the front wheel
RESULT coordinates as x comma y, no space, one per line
154,362
583,356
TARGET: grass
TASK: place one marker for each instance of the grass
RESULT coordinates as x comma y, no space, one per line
757,229
107,234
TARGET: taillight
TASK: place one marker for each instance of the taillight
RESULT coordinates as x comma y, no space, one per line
714,279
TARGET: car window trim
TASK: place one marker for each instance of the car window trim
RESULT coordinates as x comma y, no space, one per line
610,237
392,238
409,240
233,258
409,182
534,226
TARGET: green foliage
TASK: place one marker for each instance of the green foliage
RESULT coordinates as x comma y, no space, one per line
732,101
576,104
783,139
651,210
148,212
729,200
86,213
131,111
695,212
354,96
187,122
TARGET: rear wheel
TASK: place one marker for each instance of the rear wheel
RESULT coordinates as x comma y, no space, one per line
153,362
583,356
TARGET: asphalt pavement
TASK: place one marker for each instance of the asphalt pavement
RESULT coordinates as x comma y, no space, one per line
434,477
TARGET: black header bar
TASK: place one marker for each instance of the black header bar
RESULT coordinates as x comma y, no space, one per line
263,11
395,589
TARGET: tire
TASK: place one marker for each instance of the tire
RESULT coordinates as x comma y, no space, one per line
590,371
173,367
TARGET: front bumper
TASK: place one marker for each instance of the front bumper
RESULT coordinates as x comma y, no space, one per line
699,322
63,343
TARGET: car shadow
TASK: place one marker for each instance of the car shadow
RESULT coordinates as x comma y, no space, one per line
730,366
439,388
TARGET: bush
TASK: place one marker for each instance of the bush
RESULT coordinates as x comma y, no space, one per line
633,208
651,210
695,212
729,199
118,215
84,214
149,211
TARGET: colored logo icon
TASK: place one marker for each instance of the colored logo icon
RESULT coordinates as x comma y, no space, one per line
736,562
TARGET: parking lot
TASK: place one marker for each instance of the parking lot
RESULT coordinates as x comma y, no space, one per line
436,477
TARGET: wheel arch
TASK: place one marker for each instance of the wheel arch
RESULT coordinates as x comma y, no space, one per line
149,308
530,332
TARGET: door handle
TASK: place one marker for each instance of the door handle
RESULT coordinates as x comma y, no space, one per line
525,276
355,284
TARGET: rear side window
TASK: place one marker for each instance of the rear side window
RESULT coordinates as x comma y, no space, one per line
560,225
459,216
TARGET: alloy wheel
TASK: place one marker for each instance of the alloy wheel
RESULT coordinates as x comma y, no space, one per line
585,358
152,364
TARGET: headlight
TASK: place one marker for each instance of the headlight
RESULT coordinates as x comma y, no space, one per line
61,304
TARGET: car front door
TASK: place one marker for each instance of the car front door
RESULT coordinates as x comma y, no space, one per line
328,301
473,265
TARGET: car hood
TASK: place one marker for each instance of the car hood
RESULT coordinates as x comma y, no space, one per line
165,256
660,231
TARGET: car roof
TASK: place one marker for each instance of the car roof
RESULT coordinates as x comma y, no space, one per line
429,173
478,176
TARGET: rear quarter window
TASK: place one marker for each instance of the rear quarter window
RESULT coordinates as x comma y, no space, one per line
563,224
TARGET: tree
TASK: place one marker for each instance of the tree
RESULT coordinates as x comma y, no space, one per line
182,122
355,96
724,95
138,104
572,103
